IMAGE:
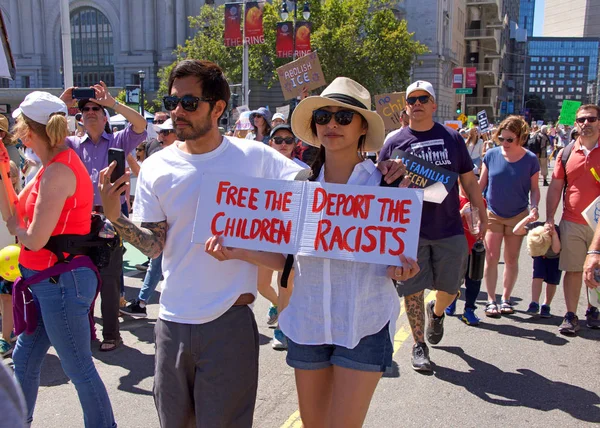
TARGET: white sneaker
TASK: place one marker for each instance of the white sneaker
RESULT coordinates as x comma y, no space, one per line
279,340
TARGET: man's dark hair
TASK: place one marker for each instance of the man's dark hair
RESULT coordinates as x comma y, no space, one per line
210,76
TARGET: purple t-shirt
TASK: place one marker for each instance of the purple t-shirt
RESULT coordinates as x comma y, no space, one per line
443,147
95,156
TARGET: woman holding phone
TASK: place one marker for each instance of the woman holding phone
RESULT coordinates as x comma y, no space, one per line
58,201
341,318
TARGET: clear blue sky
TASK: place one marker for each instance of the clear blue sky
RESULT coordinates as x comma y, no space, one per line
538,19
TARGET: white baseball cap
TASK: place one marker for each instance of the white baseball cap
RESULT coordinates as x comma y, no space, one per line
278,116
166,125
39,106
420,85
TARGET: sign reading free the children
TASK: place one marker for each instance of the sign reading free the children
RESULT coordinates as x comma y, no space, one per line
357,223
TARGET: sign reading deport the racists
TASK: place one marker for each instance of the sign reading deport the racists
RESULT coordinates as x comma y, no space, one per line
305,72
361,223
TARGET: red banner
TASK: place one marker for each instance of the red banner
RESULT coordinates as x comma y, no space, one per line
471,77
284,43
254,23
233,30
457,78
302,38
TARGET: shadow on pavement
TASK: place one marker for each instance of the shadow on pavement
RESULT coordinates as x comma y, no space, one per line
139,366
393,372
52,373
584,333
524,388
525,333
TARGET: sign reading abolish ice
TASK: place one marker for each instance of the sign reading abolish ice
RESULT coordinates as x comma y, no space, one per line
362,223
305,72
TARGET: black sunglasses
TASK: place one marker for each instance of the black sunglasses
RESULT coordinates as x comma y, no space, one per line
139,149
165,131
188,102
281,140
158,122
423,99
86,109
590,119
342,117
508,140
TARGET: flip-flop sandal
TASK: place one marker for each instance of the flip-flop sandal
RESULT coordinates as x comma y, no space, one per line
506,308
113,344
491,310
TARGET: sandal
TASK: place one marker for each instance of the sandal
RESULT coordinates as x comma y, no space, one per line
111,345
491,310
506,308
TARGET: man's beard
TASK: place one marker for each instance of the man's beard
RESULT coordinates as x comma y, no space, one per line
195,130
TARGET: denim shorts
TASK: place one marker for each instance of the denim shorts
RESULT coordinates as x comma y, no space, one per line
372,354
547,269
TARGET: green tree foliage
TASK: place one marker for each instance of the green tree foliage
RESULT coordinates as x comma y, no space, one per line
360,39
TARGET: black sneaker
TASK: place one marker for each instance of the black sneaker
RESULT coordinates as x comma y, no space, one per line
133,309
143,267
570,324
435,326
592,317
420,358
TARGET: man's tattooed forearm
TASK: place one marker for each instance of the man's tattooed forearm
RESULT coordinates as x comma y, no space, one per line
149,238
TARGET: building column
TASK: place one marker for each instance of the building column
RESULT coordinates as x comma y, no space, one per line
182,22
149,23
15,28
124,25
38,35
170,25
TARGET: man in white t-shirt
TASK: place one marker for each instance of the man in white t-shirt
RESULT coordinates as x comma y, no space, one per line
199,376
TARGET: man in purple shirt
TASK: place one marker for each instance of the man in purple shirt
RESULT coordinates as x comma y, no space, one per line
92,148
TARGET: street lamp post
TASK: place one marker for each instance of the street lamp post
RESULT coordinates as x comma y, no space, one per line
284,16
142,75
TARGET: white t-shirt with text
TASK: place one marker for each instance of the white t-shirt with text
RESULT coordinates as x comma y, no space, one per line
197,288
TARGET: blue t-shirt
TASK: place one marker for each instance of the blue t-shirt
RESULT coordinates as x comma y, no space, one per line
509,183
443,147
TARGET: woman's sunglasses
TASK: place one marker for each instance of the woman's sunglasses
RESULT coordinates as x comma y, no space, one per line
158,122
165,131
188,102
508,140
281,140
139,149
422,99
342,117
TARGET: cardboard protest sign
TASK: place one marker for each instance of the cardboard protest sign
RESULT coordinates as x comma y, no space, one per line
435,180
454,124
568,112
389,107
362,223
305,72
482,119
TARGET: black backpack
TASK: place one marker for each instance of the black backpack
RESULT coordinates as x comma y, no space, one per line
534,144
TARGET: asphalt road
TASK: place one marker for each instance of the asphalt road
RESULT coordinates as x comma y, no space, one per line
514,371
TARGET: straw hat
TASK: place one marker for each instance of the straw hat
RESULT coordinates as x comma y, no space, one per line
346,93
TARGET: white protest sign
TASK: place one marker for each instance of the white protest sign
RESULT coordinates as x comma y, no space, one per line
592,213
285,111
356,223
484,124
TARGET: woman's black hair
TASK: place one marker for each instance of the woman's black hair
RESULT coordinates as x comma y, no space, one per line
320,158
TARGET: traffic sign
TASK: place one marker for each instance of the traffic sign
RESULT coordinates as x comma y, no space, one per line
464,91
462,118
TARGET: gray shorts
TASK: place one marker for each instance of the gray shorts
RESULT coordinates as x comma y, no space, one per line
443,264
206,375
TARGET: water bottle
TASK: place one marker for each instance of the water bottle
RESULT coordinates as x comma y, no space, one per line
477,261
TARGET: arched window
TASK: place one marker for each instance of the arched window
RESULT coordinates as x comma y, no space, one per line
92,48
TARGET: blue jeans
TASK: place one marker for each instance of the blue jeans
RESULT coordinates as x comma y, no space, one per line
152,278
63,322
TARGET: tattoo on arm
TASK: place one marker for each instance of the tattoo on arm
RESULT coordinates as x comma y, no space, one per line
149,238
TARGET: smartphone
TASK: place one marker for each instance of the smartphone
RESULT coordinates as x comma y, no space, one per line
82,93
117,155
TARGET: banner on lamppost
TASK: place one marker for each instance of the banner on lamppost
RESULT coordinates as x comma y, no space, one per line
253,23
471,80
302,38
457,78
233,30
284,44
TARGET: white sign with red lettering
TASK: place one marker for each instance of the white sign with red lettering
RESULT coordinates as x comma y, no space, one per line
359,223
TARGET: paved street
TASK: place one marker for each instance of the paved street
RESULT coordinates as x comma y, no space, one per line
513,371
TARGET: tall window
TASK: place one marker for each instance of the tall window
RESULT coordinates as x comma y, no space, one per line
92,47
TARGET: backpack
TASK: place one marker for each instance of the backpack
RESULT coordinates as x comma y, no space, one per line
534,144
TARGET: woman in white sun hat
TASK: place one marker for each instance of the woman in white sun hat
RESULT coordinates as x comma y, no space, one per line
341,318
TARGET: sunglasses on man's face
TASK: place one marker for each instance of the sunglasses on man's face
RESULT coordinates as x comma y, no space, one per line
158,121
422,99
342,117
188,102
281,140
508,140
590,119
86,109
165,131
